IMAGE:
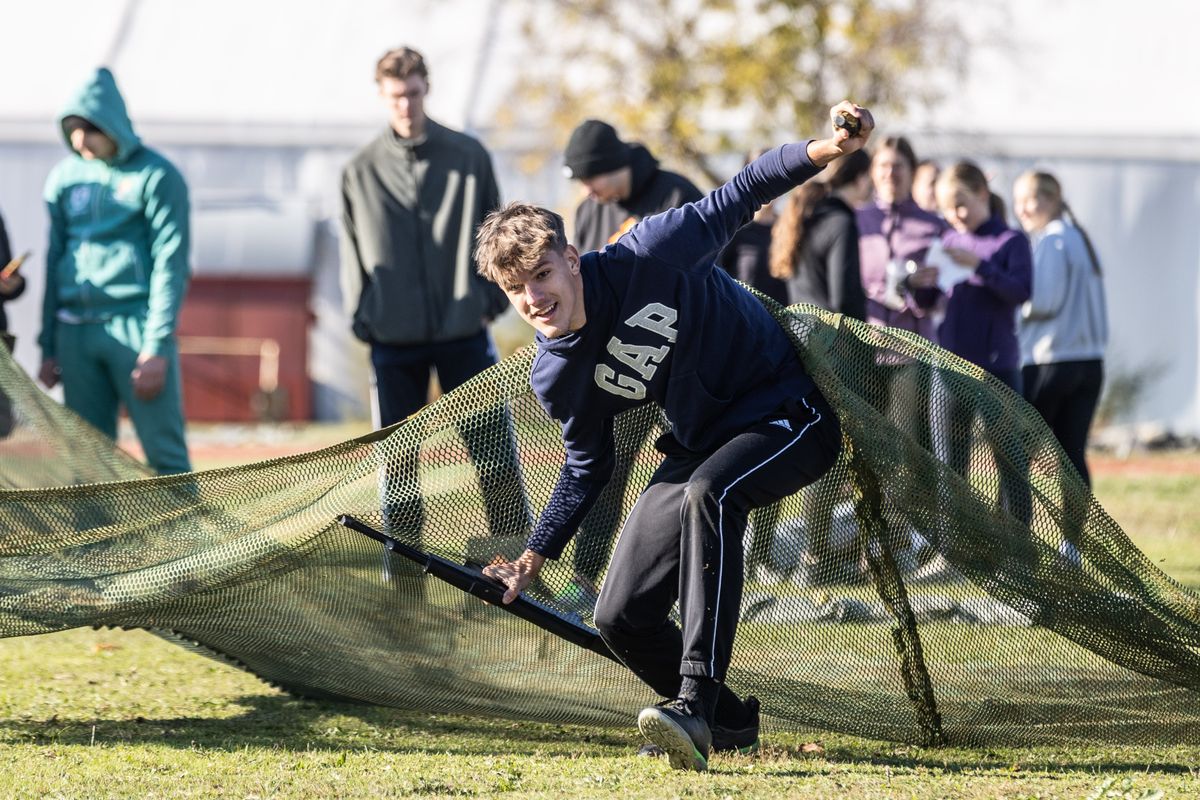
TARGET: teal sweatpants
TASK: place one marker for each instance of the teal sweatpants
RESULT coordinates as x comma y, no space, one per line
96,359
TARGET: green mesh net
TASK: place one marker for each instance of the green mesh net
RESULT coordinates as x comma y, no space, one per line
950,580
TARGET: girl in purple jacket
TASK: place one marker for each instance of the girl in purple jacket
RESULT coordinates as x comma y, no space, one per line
981,311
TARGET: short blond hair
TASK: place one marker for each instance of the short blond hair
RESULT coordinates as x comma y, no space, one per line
515,238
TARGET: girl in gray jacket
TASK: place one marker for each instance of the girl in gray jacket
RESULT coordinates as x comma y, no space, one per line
1064,325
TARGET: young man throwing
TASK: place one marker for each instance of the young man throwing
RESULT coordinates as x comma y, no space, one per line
646,319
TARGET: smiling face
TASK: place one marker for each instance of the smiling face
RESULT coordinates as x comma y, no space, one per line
550,296
1033,209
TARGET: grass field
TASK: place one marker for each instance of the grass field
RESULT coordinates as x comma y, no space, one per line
122,714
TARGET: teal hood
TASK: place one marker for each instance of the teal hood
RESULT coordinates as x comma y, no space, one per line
99,101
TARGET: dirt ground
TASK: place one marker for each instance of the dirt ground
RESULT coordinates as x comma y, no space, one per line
1172,462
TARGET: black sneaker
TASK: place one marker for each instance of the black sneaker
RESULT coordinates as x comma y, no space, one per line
738,740
681,732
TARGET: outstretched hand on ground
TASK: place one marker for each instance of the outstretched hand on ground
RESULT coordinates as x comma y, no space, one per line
516,575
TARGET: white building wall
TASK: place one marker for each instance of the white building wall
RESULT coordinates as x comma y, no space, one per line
264,101
1138,215
299,184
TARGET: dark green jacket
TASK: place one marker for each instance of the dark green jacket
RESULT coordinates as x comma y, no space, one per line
410,209
119,233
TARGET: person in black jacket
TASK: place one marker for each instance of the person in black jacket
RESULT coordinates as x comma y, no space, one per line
10,289
815,242
746,255
625,185
412,199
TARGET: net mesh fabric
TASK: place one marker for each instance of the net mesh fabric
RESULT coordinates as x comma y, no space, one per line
950,580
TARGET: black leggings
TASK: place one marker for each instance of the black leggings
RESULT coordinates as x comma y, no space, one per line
1066,394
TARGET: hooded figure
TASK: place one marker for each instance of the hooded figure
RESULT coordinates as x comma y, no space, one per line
116,273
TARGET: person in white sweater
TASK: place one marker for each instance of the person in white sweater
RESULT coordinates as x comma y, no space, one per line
1064,325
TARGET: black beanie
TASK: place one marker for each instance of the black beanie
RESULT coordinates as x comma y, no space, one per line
594,148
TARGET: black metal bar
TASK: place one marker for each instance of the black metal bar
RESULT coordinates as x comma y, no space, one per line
471,580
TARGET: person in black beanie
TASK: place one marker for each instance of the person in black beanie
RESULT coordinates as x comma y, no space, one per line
624,185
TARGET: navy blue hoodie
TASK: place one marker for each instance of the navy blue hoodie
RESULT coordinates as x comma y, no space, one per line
665,325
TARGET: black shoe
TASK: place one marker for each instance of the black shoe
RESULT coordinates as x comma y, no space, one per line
738,740
680,730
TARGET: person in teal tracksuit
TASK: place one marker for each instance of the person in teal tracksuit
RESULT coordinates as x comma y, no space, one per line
116,273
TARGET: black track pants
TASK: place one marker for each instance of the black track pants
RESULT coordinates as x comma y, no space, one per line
683,540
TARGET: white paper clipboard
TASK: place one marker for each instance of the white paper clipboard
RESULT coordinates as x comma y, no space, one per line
950,272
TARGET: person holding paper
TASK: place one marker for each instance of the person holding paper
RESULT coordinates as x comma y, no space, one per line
981,309
949,271
894,235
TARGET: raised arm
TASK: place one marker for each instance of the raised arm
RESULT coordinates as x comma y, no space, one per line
690,236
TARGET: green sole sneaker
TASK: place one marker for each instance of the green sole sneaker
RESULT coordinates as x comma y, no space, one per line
749,749
660,729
